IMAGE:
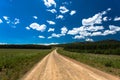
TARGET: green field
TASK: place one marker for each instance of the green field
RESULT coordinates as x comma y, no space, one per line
14,63
107,63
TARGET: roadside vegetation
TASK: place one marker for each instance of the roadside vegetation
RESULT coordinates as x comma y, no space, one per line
14,63
107,63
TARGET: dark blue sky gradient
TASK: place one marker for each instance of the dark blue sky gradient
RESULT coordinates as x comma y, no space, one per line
26,9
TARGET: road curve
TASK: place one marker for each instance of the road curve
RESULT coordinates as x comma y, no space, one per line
57,67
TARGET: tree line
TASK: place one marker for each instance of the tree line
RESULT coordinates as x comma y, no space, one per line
25,47
100,47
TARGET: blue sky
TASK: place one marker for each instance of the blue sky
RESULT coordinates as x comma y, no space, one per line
58,21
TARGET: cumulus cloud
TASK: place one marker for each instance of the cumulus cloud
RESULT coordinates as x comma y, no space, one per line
51,30
28,28
63,9
72,12
74,31
94,28
96,19
114,28
89,40
59,17
90,28
50,43
35,17
51,22
37,27
16,21
6,18
79,37
97,33
117,19
108,32
49,3
1,21
84,30
64,30
52,10
105,19
54,35
63,33
42,37
12,22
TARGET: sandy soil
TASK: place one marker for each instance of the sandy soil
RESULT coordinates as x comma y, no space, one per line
57,67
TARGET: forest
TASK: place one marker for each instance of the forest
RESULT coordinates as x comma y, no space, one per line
30,46
100,47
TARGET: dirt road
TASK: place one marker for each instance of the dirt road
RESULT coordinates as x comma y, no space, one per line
57,67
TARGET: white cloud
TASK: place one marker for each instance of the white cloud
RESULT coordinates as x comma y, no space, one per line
90,28
12,23
105,19
96,19
96,33
16,21
72,12
85,33
64,30
63,9
28,28
52,10
35,17
117,19
49,3
6,17
114,28
51,22
79,37
90,40
1,21
84,30
42,37
49,37
50,43
108,9
75,31
38,27
59,17
107,32
54,35
51,30
93,28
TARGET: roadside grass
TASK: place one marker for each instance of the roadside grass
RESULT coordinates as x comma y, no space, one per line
106,63
14,63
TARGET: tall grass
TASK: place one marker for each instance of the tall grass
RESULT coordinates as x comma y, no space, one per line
107,63
14,63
